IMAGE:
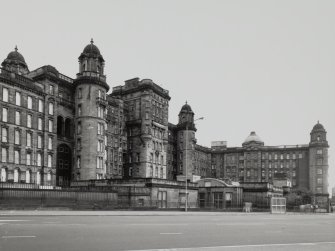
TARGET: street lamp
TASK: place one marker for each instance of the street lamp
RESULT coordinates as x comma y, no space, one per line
186,195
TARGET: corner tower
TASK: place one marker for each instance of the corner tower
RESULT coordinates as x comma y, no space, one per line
15,63
185,143
318,160
90,116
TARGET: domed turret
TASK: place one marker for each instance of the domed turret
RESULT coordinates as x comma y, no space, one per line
318,135
253,139
186,117
91,60
15,62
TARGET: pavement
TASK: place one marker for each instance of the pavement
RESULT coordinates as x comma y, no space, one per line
43,212
164,230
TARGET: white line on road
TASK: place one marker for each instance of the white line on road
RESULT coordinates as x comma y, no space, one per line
170,233
27,236
12,220
241,246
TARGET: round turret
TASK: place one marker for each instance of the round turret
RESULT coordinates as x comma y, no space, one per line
15,62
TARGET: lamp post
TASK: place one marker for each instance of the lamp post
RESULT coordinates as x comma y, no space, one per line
186,139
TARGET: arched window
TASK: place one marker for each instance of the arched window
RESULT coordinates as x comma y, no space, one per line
59,125
38,178
16,175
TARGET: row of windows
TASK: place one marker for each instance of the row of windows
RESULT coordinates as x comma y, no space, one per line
18,120
18,175
29,156
29,137
5,98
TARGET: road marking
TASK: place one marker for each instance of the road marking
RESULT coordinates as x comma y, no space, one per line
12,220
27,236
241,246
170,233
158,224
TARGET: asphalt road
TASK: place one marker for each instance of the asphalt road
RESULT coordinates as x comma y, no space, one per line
174,232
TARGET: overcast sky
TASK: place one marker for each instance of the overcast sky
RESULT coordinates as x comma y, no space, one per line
264,66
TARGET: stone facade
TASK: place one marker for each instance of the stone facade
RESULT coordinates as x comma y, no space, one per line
55,129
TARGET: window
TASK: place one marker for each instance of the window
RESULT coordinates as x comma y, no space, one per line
16,175
4,114
49,176
99,93
79,144
29,117
79,110
4,154
319,181
51,89
300,155
100,128
39,141
100,111
40,105
99,162
319,190
51,125
18,98
39,124
39,159
17,137
30,102
99,176
50,143
319,171
4,94
100,146
17,118
79,127
319,161
49,160
29,135
293,174
27,176
319,151
16,157
4,133
80,94
51,109
78,161
28,159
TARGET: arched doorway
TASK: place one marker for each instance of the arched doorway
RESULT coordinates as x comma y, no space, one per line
64,164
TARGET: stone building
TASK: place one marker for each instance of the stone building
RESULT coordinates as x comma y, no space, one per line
55,129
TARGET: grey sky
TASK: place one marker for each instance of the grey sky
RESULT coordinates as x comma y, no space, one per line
267,66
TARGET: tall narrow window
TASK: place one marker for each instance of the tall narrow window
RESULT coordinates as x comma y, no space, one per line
4,94
4,134
18,98
30,102
51,125
80,94
39,141
39,124
29,135
16,175
16,157
4,154
51,89
51,109
79,110
28,176
17,137
40,105
78,143
4,114
79,127
49,160
78,162
29,118
50,143
28,159
17,117
39,159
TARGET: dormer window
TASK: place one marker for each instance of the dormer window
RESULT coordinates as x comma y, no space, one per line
318,138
